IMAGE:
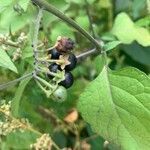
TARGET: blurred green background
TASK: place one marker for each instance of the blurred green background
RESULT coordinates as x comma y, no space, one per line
18,16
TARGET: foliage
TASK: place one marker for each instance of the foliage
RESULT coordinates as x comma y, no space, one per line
108,105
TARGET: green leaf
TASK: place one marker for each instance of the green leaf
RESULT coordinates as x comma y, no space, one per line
138,53
83,21
122,5
16,100
126,31
108,37
25,139
116,104
105,4
6,62
58,30
24,4
14,20
143,22
137,7
111,45
4,4
98,63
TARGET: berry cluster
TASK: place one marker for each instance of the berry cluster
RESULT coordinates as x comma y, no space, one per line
62,49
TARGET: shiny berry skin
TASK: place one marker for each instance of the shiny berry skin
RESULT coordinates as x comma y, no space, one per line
60,94
73,61
53,68
67,83
54,53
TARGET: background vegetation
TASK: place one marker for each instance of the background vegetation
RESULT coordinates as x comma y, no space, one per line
124,26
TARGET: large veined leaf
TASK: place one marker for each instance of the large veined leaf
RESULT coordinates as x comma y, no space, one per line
117,106
126,31
6,62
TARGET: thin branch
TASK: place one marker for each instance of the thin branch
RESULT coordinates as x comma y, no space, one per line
90,18
90,138
50,8
87,53
5,85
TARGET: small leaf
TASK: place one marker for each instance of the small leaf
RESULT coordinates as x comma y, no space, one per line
111,45
24,4
116,104
6,62
108,37
126,31
143,22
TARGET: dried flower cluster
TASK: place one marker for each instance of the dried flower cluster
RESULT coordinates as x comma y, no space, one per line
6,43
42,143
5,107
9,124
17,54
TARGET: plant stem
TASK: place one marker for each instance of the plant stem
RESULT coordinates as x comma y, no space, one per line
51,60
5,85
35,37
45,70
50,8
90,18
87,53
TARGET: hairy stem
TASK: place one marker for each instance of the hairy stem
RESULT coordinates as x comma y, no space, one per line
35,36
50,8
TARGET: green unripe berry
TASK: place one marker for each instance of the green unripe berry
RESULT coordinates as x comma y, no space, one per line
60,94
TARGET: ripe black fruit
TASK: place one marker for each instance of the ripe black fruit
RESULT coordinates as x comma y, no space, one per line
73,61
53,68
54,53
68,80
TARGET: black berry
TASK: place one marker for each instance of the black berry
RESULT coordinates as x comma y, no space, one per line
68,80
69,44
73,61
54,53
53,68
